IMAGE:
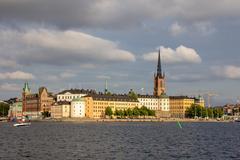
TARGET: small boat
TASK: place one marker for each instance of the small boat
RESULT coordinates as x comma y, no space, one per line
22,124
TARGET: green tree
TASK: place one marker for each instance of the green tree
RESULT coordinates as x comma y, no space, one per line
46,114
132,94
108,111
129,112
136,111
4,107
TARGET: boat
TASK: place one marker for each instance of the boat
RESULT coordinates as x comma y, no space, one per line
22,124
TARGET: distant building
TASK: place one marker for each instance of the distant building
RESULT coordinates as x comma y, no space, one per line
78,108
69,95
179,104
199,101
61,109
97,103
160,104
15,109
35,104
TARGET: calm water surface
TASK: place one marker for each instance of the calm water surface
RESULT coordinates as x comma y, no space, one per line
44,140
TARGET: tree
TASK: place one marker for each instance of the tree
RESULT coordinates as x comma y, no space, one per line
4,107
136,111
46,114
132,94
108,111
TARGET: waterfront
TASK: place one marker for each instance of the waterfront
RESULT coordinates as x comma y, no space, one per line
124,140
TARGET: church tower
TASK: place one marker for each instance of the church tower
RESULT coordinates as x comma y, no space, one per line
26,91
159,79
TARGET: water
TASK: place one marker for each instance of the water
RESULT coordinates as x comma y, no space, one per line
49,140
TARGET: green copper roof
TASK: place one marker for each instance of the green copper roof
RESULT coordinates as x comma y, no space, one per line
26,87
78,99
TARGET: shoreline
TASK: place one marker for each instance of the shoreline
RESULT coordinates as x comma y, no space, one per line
79,120
83,120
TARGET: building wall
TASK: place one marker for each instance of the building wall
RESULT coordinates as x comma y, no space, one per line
66,111
77,109
155,103
68,96
178,106
56,111
96,108
15,110
45,101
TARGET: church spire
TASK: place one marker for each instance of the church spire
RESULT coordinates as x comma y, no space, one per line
159,66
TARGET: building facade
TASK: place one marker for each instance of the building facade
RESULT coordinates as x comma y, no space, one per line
35,104
69,95
96,104
15,110
179,104
61,109
160,104
78,108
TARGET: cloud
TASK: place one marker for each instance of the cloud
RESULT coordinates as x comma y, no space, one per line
103,77
9,87
228,71
18,75
57,47
205,28
182,54
191,77
114,13
176,29
63,75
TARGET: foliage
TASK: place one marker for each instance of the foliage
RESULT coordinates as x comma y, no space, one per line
132,94
199,111
135,112
4,107
46,114
108,111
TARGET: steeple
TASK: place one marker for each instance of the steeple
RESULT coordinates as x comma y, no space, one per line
159,66
26,88
106,87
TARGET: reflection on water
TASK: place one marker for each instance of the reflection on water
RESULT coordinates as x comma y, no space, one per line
146,140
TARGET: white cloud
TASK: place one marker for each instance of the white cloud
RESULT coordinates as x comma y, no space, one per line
228,71
182,54
56,47
17,75
176,29
9,87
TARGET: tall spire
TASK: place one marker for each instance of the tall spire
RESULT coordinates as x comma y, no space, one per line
159,66
106,87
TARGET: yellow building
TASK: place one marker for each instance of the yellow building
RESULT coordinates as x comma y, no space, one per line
179,104
97,103
199,101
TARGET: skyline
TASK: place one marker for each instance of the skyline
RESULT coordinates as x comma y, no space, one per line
80,44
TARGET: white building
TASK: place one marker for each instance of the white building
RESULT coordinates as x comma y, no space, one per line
78,108
69,95
157,103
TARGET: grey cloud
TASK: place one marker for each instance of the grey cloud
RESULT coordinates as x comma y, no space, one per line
114,13
56,47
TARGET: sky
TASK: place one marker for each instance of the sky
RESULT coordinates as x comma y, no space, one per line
81,43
